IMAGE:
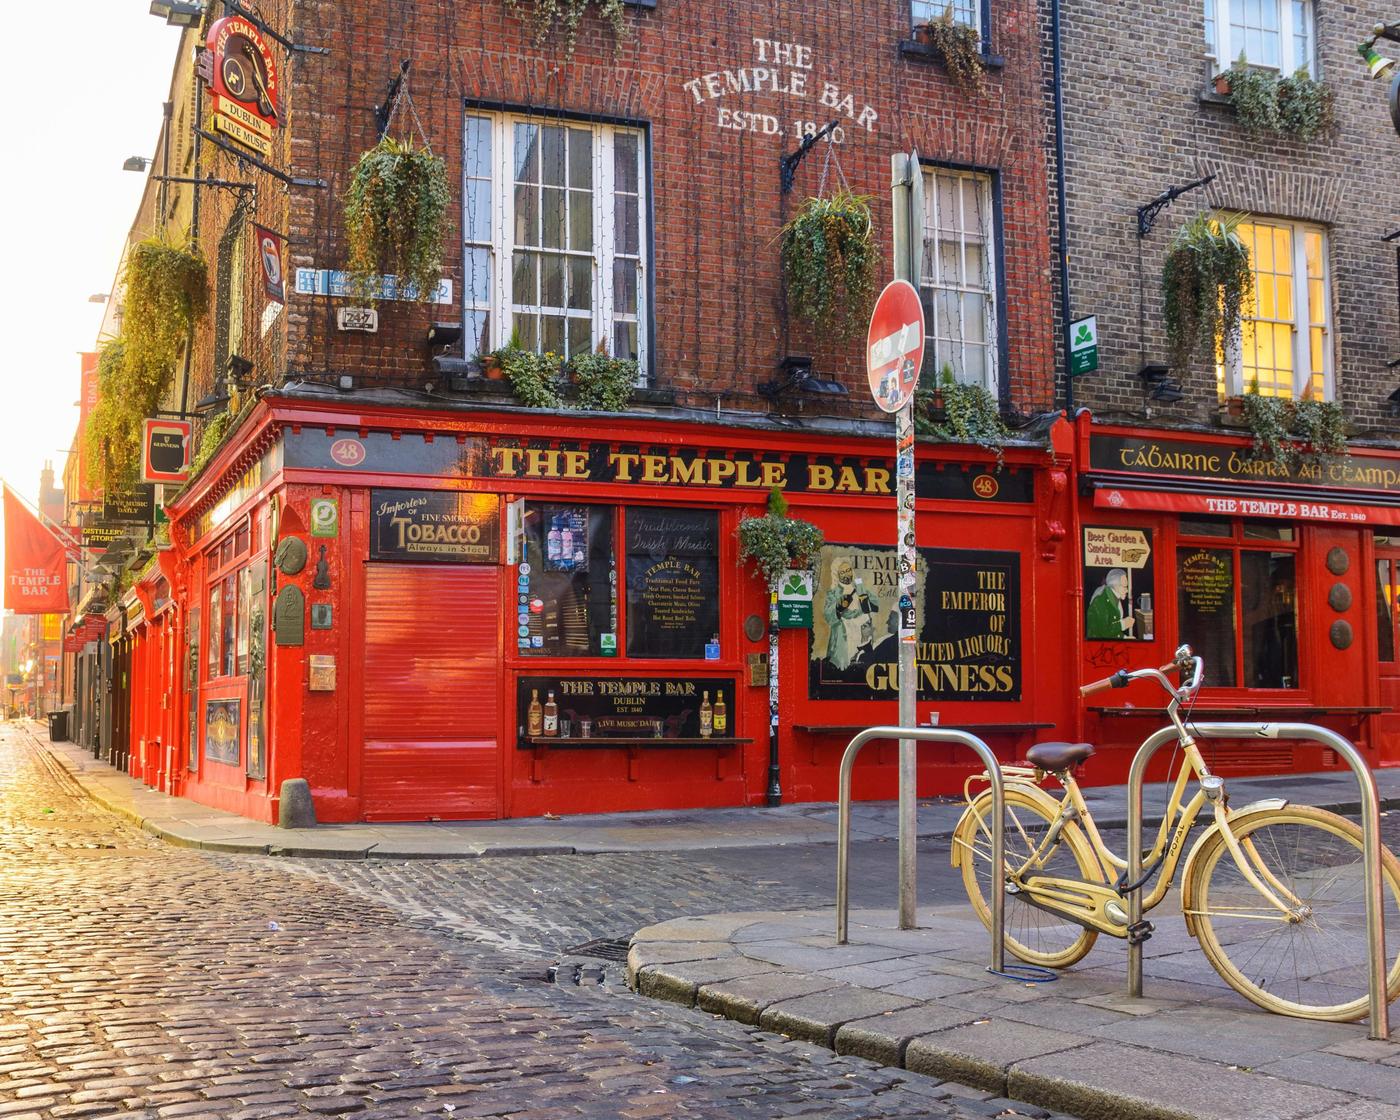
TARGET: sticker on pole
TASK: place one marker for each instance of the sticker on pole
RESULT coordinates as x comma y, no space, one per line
894,345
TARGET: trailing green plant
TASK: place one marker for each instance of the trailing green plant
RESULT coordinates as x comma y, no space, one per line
1293,433
960,47
165,291
546,17
215,429
968,414
128,393
776,542
396,219
1206,281
1296,105
604,383
534,378
830,263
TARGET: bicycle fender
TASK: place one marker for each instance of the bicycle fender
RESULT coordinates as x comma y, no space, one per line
1027,788
1188,899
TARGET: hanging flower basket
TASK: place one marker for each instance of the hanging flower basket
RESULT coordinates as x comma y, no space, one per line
396,219
830,262
960,47
776,542
550,17
1206,281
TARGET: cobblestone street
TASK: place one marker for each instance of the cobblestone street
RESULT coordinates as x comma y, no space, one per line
140,980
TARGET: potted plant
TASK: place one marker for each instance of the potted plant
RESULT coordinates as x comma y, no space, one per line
547,17
830,263
1293,433
396,219
1293,105
492,367
957,412
1206,280
604,383
534,378
960,47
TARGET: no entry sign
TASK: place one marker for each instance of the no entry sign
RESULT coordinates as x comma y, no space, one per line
894,345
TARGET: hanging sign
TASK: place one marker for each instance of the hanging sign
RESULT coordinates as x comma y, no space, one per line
795,600
35,563
270,254
894,345
136,506
244,83
1084,346
165,451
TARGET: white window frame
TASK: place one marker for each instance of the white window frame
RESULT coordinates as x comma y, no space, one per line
926,11
1224,51
501,246
986,184
1303,372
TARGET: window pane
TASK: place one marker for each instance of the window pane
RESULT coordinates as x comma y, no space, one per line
245,602
525,281
672,582
230,616
1205,605
625,287
527,216
476,277
1385,609
214,630
478,333
627,235
552,213
477,162
580,283
580,335
580,158
626,156
552,280
580,221
1269,611
570,550
1267,531
624,340
552,156
527,154
478,210
1204,527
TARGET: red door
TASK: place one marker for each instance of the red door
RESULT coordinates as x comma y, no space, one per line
1387,640
432,692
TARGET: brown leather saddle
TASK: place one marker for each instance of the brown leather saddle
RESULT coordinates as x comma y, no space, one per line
1055,757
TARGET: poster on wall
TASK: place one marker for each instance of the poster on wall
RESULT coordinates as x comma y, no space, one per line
1205,609
672,582
969,638
1119,584
223,730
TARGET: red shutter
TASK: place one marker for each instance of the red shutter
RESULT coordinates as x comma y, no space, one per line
432,692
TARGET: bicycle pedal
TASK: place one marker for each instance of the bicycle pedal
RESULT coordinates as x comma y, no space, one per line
1139,932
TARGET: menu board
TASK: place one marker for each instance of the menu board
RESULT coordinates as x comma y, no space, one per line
601,708
969,638
1205,606
672,581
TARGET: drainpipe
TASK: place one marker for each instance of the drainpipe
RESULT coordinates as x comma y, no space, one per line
1062,205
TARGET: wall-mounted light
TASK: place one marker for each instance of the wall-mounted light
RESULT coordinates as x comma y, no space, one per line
136,163
238,368
177,13
1160,385
216,400
1394,403
797,378
444,334
99,297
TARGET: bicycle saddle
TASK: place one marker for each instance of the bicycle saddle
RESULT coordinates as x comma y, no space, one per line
1055,757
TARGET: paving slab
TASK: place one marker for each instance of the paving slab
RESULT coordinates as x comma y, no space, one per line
1375,1081
882,1038
746,999
981,1053
680,985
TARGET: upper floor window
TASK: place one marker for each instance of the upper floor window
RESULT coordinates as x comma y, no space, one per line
966,12
1277,34
958,277
1284,346
555,241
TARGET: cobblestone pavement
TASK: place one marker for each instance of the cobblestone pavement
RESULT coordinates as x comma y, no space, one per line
138,980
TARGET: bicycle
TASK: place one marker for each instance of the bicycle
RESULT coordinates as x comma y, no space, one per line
1272,892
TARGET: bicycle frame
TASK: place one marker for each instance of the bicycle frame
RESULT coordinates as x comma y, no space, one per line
1102,906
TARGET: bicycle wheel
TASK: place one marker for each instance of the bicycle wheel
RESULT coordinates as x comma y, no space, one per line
1035,936
1312,964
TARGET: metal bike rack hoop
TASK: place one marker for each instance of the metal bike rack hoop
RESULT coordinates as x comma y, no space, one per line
843,827
1370,841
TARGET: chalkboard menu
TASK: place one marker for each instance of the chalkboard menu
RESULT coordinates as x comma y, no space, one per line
587,709
969,641
672,581
1205,609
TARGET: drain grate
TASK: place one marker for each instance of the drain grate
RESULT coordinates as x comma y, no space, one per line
604,948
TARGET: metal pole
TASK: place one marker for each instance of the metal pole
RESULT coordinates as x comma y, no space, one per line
1379,1009
775,774
843,823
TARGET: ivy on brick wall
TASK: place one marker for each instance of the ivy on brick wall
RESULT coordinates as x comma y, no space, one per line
1298,106
562,17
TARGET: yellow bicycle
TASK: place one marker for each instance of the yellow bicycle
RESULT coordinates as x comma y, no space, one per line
1274,893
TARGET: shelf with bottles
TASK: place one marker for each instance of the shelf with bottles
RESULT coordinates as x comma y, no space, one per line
612,742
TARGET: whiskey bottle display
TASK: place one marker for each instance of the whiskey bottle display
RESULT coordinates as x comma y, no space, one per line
551,716
721,715
706,717
534,722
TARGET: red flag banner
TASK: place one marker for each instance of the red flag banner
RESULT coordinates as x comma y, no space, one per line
35,563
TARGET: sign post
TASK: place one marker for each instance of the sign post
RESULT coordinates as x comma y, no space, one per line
894,352
1084,346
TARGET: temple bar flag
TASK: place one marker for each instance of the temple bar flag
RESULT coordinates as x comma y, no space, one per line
35,563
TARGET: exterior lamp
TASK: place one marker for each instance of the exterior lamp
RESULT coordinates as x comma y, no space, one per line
177,13
238,369
99,297
797,377
1159,386
216,400
444,334
136,163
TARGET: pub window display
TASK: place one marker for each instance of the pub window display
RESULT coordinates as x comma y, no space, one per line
1387,594
566,583
231,606
1237,605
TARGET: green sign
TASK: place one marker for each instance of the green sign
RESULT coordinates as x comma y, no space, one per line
325,517
1084,346
794,615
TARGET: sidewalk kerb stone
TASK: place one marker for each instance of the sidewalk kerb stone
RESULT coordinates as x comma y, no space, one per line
746,1000
816,1018
981,1053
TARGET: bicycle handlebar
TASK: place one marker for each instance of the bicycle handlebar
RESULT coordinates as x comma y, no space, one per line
1123,677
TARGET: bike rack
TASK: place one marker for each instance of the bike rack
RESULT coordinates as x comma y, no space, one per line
908,833
1370,841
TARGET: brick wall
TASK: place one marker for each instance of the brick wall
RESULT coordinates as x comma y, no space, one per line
716,199
1136,123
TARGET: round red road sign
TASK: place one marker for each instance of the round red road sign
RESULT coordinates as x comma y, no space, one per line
894,345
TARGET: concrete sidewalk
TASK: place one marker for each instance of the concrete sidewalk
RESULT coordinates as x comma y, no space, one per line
923,1000
186,823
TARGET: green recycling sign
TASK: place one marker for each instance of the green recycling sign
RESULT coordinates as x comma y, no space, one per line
1084,345
795,590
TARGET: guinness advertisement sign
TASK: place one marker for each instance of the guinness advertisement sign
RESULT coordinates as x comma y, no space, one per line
435,526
